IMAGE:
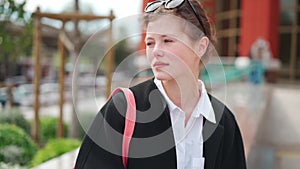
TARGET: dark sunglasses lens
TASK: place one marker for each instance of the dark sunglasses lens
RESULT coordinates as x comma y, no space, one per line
173,4
152,6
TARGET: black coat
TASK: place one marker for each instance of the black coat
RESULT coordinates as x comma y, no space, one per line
152,145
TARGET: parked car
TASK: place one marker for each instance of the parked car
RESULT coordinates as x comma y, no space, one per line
16,80
49,94
23,95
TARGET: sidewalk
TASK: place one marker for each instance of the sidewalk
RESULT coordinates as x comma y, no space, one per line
269,120
278,141
65,161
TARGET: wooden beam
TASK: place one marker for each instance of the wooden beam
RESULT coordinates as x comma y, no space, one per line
65,39
63,43
72,16
37,73
110,62
228,15
228,33
293,57
62,51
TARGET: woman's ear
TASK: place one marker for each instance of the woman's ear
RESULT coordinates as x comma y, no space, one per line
202,46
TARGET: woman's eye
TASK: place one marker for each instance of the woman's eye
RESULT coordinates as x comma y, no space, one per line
168,40
149,43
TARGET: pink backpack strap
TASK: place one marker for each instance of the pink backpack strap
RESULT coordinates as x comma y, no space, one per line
129,121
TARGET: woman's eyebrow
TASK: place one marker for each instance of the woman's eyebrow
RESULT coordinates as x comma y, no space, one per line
148,38
170,35
161,36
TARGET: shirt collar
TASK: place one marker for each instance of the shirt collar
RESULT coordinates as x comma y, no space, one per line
160,87
203,107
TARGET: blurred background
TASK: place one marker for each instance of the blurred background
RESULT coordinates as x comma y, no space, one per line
52,83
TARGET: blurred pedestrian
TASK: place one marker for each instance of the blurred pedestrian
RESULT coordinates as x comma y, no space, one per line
260,56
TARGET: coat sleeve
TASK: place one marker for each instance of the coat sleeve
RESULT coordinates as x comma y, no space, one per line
234,154
102,146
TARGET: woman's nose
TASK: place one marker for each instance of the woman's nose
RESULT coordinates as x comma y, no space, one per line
158,51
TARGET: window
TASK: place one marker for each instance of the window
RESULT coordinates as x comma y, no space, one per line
285,52
298,54
227,24
223,42
225,5
287,3
298,16
287,17
224,24
289,38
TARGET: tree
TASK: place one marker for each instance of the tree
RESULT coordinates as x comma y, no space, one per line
16,30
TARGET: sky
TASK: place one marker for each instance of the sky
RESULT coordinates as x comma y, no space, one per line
121,8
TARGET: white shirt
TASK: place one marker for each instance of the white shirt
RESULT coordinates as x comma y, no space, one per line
188,139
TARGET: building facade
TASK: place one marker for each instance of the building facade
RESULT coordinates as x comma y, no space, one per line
240,22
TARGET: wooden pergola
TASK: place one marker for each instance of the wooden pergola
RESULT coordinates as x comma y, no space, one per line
64,44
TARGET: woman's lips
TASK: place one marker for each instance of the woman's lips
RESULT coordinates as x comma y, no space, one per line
159,64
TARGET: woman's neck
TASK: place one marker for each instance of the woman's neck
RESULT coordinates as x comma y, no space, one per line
184,93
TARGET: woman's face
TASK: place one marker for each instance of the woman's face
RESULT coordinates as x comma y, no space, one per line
171,53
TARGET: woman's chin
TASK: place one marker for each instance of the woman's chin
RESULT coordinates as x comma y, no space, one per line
163,76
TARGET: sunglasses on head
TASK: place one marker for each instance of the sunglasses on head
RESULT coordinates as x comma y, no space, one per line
171,4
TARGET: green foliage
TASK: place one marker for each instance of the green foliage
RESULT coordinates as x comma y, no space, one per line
13,116
54,148
12,10
12,153
14,45
15,145
11,166
48,129
16,35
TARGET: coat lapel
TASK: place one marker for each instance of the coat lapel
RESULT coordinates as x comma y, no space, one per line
213,135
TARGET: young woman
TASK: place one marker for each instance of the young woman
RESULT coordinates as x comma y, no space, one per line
178,124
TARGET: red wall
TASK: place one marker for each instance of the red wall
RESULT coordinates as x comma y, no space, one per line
210,7
142,44
260,18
